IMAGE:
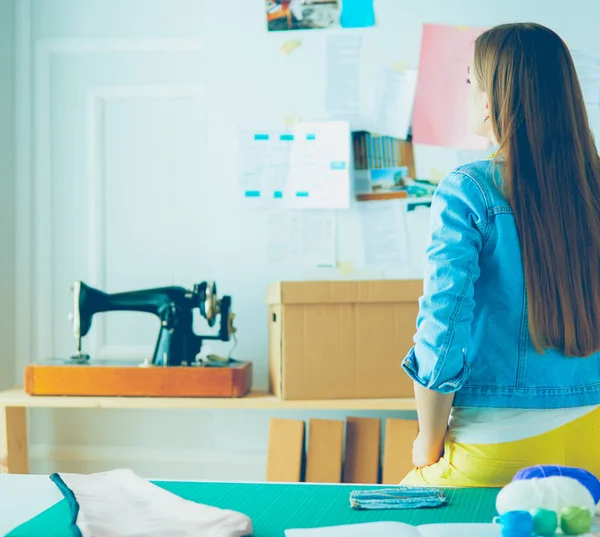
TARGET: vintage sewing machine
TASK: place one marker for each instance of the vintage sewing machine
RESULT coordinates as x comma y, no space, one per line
176,367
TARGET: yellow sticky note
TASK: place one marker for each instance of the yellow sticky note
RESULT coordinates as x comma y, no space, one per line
291,120
345,267
436,175
289,45
399,66
462,28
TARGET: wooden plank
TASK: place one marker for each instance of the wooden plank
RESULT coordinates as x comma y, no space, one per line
325,451
378,196
363,445
134,381
14,458
397,451
285,451
16,397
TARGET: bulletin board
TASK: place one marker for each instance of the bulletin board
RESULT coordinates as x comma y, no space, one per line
287,72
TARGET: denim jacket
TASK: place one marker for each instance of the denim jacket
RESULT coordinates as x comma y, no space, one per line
472,328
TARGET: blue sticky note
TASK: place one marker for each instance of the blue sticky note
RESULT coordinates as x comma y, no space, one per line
261,137
278,194
286,137
252,193
357,14
337,165
311,136
302,194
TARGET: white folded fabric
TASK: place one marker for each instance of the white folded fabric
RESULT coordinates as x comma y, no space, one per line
119,503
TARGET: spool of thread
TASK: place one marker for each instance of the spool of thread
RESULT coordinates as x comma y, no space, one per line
545,522
551,493
587,479
575,520
516,524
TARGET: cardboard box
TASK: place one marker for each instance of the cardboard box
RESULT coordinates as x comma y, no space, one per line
341,339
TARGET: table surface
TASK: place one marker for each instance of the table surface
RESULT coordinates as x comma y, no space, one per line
16,397
24,496
272,507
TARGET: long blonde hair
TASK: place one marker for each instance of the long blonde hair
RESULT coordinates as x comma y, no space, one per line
551,177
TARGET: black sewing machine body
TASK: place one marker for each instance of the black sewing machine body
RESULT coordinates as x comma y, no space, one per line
177,343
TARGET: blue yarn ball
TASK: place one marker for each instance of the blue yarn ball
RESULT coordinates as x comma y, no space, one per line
587,479
516,524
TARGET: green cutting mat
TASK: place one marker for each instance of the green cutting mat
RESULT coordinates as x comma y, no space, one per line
274,508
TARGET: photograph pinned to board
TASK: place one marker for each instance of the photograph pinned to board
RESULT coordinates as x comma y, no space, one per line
306,166
287,15
440,115
388,179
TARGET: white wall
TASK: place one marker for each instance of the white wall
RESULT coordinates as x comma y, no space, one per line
134,109
7,194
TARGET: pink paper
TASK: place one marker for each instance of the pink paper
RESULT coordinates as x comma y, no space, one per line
440,108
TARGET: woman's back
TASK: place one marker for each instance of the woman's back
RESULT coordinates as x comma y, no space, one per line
506,371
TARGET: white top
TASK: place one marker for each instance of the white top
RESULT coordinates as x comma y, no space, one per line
497,425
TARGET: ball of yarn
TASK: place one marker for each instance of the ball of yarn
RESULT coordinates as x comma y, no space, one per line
551,493
545,522
575,520
587,479
516,524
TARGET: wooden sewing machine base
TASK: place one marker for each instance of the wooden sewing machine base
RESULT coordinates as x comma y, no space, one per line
128,379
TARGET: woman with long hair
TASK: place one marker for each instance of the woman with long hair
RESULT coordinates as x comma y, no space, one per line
506,361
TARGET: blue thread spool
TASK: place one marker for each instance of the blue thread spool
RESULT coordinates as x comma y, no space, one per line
516,524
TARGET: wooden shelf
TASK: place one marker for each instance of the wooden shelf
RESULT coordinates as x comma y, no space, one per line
16,397
385,195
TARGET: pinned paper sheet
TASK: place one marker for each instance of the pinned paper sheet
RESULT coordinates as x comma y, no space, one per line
290,45
305,166
434,162
342,93
396,99
302,237
357,14
440,111
384,232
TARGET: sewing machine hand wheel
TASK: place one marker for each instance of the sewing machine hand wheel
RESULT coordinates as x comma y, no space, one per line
209,306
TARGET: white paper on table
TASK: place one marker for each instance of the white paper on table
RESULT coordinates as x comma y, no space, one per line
398,529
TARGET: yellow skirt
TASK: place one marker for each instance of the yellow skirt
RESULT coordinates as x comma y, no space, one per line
494,465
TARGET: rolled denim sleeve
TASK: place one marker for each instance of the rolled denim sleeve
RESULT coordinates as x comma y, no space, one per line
457,229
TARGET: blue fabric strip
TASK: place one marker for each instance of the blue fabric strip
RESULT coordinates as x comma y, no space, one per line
397,498
71,501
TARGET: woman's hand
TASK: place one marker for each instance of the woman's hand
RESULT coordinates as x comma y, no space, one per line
426,452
